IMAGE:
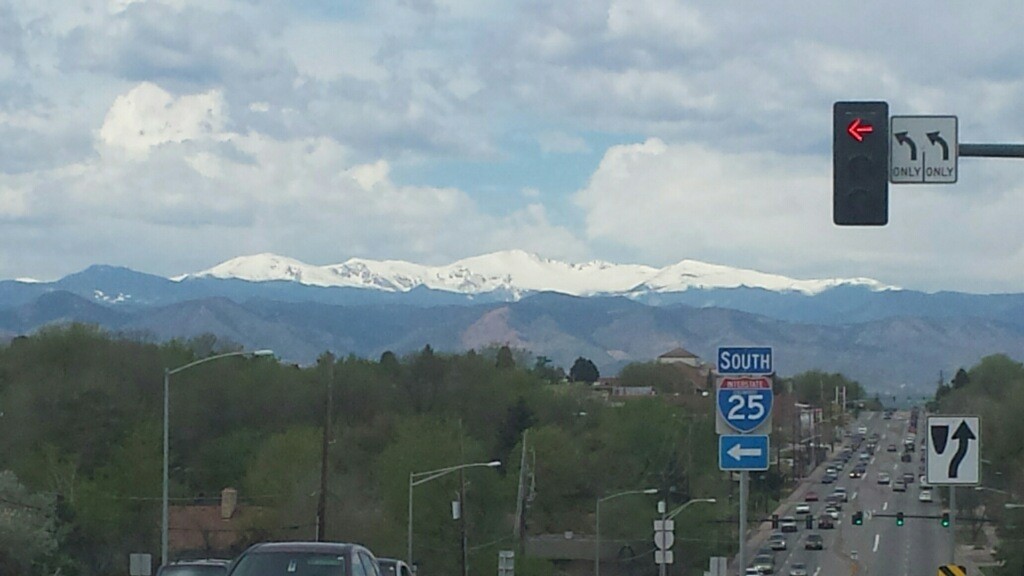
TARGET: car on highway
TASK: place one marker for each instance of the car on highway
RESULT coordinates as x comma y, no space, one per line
777,542
802,508
925,496
841,491
811,497
899,486
753,571
825,522
305,559
890,448
765,563
857,472
832,511
788,524
828,479
906,457
210,567
393,567
908,477
798,569
814,542
862,430
883,478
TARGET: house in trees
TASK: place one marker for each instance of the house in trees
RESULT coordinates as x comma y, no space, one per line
694,373
210,530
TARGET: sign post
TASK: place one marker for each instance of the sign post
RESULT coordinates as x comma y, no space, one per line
743,399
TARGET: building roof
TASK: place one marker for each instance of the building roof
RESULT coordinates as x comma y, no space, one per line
678,353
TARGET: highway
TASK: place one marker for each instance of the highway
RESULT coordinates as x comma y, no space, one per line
878,547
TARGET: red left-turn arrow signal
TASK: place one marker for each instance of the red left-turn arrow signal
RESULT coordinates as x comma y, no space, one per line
857,130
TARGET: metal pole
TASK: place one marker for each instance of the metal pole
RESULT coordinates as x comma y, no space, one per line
952,524
163,500
991,150
663,567
744,479
409,536
597,539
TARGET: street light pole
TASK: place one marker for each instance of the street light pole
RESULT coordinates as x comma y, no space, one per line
166,473
597,523
417,478
663,568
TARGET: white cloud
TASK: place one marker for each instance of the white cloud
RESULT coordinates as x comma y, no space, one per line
149,116
772,212
561,143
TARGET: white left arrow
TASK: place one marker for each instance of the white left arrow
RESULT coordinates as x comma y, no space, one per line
737,452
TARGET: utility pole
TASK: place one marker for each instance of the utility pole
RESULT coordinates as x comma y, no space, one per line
321,507
462,505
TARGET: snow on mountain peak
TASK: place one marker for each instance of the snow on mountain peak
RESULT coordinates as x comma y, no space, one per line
516,272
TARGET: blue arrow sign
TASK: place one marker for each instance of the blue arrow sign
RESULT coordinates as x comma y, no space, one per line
743,452
745,360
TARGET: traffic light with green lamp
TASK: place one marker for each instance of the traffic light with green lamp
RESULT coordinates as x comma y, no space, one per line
945,519
899,518
858,518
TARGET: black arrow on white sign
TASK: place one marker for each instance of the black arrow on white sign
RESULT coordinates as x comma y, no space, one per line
934,138
964,436
905,140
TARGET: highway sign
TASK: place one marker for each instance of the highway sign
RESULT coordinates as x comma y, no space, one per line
923,150
744,404
745,360
954,450
743,452
663,557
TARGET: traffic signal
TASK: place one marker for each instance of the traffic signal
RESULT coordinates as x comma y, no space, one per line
945,519
899,518
858,518
810,522
860,163
775,521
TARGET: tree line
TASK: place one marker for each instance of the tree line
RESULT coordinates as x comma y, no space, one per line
81,450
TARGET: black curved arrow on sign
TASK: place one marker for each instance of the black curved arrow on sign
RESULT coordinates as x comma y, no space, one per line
905,140
964,435
934,138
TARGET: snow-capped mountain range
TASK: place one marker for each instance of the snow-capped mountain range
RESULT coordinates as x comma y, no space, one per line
517,272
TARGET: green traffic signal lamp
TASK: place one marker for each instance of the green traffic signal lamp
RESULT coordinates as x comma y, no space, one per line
899,518
858,518
945,519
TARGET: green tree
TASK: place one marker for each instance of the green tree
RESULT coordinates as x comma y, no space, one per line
583,370
27,526
505,359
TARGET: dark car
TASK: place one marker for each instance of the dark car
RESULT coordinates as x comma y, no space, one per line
393,567
211,567
306,559
906,457
814,542
825,522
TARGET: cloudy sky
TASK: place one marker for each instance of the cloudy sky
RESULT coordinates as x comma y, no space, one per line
170,135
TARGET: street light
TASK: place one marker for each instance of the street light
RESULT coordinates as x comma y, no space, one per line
1013,506
597,516
417,478
663,568
167,385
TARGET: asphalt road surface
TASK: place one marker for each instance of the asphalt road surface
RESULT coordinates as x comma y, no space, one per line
878,547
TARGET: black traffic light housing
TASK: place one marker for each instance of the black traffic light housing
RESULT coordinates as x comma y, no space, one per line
899,518
858,518
945,519
809,522
775,521
860,163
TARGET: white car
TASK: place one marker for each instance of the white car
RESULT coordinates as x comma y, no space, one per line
925,496
833,512
883,478
798,569
803,508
